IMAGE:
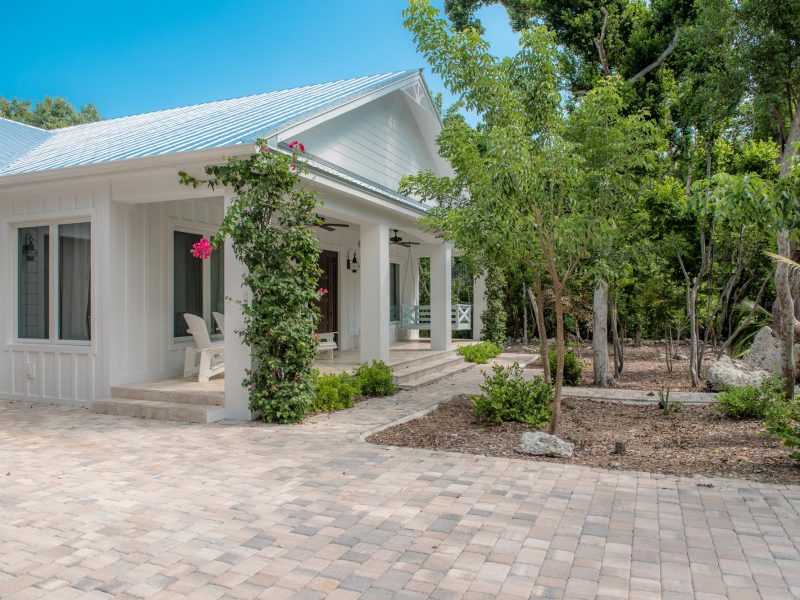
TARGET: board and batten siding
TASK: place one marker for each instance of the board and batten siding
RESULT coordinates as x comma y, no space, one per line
44,371
379,141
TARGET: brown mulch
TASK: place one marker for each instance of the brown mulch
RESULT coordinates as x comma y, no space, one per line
693,441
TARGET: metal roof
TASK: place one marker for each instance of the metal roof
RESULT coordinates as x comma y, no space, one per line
197,127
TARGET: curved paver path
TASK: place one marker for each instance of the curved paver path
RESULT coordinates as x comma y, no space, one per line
95,506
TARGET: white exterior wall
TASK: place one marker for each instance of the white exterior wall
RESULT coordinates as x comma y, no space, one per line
54,372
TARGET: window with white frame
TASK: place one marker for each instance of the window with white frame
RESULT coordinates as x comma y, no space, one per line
54,282
198,285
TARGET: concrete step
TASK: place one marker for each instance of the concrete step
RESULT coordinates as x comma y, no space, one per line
434,376
176,396
161,411
427,358
434,364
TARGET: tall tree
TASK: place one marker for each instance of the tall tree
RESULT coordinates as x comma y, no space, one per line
50,113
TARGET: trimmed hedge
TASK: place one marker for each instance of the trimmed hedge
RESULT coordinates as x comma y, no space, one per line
480,353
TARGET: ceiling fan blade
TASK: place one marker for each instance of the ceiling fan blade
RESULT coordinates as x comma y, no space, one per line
337,224
326,227
409,244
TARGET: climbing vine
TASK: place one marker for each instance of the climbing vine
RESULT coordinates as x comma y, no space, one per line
270,224
494,317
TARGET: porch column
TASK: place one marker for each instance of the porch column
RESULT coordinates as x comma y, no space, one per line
410,294
478,306
374,292
441,302
237,354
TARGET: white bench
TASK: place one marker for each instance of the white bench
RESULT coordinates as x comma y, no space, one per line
327,343
211,355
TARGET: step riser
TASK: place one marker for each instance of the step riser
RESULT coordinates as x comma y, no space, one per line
433,379
183,413
415,362
401,377
196,398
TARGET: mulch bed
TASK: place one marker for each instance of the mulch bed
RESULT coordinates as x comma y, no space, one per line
694,441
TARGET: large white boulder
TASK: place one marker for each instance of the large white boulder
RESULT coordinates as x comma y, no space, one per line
727,372
765,353
539,443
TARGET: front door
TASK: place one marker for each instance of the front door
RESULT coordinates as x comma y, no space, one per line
329,263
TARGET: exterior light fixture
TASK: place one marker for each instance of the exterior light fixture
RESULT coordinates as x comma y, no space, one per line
352,261
29,248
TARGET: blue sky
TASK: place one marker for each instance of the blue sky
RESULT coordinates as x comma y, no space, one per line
132,57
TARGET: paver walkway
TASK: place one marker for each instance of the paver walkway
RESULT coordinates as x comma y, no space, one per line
95,506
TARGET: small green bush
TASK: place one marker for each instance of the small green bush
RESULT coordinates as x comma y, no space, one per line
508,396
375,379
572,367
480,353
750,401
335,391
783,421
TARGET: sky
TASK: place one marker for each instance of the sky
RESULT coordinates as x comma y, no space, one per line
134,57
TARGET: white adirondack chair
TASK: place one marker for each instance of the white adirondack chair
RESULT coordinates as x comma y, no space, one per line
327,342
211,355
219,319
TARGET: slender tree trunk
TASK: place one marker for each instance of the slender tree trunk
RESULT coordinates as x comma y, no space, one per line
600,333
786,304
637,342
691,313
619,360
559,375
524,314
537,301
669,352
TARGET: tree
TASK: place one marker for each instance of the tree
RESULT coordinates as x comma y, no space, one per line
50,113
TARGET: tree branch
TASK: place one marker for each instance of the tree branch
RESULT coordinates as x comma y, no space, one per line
599,43
660,60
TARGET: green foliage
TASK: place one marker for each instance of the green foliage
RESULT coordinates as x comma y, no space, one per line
508,396
375,379
335,391
746,321
665,405
572,366
270,224
495,316
750,401
783,421
480,353
50,113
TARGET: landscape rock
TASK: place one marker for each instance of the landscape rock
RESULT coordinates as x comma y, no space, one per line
539,443
727,372
765,352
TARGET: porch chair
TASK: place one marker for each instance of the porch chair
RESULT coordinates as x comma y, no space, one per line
327,343
211,355
219,319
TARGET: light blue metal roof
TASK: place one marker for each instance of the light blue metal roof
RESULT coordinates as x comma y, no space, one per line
197,127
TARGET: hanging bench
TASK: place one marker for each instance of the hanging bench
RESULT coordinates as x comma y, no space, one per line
418,316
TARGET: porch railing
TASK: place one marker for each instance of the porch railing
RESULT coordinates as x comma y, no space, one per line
418,316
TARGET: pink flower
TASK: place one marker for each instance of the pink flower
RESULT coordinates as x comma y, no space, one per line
295,144
322,291
292,168
201,249
265,150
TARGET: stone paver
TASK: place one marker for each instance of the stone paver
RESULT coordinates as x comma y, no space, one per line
95,506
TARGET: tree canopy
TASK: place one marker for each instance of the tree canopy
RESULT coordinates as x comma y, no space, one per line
50,113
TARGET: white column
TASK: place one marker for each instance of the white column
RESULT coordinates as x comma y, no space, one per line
409,273
441,303
237,354
478,306
374,292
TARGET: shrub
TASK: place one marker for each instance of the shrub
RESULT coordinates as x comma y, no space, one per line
783,421
335,391
375,379
508,396
666,405
572,366
480,353
750,401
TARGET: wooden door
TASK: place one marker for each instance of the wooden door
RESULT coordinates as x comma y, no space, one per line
329,263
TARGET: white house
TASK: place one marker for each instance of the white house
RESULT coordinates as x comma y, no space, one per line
96,230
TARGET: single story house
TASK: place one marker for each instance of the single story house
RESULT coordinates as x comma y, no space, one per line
96,231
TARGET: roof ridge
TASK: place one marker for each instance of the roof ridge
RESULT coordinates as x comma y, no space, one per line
233,98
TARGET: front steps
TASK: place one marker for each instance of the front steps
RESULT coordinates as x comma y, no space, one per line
428,369
191,406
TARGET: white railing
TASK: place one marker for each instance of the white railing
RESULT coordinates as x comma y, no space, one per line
418,316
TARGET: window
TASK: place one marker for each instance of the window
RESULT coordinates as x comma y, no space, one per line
71,280
199,285
394,292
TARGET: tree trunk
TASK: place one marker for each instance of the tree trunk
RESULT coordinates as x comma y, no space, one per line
619,360
637,342
559,375
691,313
600,333
524,314
537,301
786,304
668,343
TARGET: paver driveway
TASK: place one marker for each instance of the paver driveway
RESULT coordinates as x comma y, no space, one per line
96,506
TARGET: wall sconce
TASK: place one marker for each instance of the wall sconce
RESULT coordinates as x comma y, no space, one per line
352,261
29,248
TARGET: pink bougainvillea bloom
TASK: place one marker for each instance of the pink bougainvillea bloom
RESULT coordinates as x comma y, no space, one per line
302,147
322,291
293,144
292,168
265,150
201,249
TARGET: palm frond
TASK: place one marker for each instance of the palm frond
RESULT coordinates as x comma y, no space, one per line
793,265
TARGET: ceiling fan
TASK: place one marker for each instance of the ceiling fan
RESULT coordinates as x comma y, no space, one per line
398,241
330,226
